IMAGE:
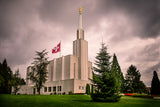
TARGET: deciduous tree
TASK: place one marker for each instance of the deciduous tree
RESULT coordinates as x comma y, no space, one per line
39,70
16,82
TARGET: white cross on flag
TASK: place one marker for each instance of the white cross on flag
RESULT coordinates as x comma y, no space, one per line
57,48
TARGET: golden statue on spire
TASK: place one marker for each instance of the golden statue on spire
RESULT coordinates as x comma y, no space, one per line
80,10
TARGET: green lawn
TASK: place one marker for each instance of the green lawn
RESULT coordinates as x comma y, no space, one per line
71,101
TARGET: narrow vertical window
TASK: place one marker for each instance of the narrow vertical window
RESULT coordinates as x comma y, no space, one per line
88,72
45,89
49,89
82,88
74,70
59,88
51,73
54,88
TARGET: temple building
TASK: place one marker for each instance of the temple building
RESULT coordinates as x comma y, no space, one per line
68,73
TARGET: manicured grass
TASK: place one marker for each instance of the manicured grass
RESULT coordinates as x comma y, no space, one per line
71,101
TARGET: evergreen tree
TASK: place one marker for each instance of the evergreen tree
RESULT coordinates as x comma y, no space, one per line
1,77
105,82
116,69
16,82
92,89
5,78
133,83
155,85
39,70
87,89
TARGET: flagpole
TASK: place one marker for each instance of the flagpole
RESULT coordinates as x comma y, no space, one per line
60,49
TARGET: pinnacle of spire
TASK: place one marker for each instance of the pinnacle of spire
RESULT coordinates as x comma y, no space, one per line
80,18
80,31
80,10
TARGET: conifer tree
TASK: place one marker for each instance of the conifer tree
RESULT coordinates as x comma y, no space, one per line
116,69
133,83
6,76
87,89
39,70
155,85
105,82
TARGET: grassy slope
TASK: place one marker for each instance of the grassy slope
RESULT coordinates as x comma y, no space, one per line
70,101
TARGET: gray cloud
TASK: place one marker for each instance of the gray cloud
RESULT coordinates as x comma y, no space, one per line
148,75
155,67
144,15
149,53
26,26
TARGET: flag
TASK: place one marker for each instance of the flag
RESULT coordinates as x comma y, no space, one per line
57,48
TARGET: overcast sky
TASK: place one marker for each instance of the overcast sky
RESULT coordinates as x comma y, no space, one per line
130,29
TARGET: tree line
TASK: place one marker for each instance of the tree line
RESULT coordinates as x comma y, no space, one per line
109,82
9,80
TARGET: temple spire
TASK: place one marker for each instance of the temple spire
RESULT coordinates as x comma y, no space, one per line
80,31
80,18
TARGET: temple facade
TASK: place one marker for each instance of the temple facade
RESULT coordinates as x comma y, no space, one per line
68,73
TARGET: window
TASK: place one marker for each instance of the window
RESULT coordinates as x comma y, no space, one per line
49,89
59,88
79,87
54,88
82,88
74,70
34,90
45,89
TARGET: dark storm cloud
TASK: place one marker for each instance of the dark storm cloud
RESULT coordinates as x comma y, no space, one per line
24,25
144,14
14,17
155,67
148,73
149,53
65,12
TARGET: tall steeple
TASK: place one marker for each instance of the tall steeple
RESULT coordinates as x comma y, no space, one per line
80,50
80,31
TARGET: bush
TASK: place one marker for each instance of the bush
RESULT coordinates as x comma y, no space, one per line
103,98
63,93
129,94
142,95
87,89
70,93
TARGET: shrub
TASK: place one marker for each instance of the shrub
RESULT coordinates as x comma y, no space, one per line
70,93
87,89
142,95
129,94
100,97
63,93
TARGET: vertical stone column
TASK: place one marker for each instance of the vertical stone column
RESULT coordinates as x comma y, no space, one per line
63,67
54,70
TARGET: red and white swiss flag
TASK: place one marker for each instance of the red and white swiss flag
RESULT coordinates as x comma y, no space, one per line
57,48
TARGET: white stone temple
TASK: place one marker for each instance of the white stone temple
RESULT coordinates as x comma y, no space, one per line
68,73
